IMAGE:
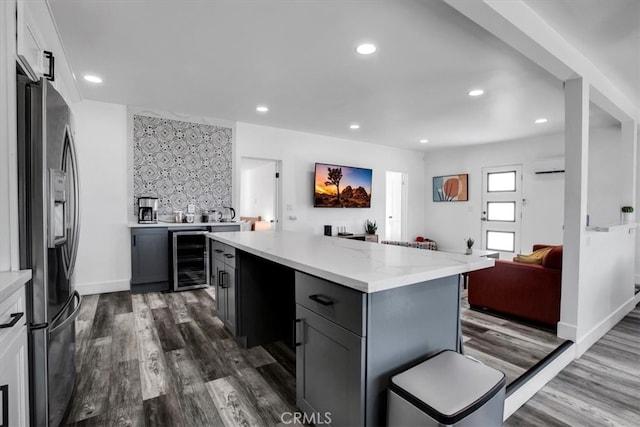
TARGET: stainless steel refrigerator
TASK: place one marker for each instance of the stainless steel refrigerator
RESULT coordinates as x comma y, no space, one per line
49,220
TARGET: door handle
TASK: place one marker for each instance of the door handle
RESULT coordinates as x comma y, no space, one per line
69,319
70,151
321,300
14,319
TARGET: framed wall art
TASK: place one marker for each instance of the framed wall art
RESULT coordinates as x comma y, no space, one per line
450,188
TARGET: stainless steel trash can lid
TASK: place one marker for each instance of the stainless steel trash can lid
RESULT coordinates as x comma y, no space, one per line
448,386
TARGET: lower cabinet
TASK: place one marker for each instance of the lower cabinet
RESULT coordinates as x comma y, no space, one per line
14,374
224,278
149,259
329,370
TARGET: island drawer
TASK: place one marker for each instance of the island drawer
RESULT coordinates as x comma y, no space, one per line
342,305
218,250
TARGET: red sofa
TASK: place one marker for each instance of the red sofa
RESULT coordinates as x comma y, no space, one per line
527,291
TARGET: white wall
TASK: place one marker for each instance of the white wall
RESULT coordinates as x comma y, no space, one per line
104,251
300,151
606,191
257,185
542,213
605,292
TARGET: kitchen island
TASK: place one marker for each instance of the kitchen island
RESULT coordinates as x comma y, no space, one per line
356,312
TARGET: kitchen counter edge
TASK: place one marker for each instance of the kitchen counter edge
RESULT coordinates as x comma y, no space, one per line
360,285
11,281
185,224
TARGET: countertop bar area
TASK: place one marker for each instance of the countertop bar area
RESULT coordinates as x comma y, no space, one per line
364,266
355,312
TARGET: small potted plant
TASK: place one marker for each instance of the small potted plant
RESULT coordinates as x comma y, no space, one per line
370,227
469,241
626,214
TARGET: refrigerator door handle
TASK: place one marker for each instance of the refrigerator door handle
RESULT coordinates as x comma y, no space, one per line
70,154
71,318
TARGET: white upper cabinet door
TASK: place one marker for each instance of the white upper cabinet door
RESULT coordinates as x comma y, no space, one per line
29,43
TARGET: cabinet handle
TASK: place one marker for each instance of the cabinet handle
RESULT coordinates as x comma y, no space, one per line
52,67
5,405
134,240
15,317
321,300
218,251
229,255
295,332
223,281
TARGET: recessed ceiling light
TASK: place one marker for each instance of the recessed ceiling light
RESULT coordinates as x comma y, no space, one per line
354,126
262,108
92,79
476,92
366,49
424,141
541,120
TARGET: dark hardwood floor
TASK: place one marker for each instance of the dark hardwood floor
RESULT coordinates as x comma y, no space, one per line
602,388
507,345
166,360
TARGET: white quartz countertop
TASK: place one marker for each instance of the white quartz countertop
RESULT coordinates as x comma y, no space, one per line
11,281
364,266
134,224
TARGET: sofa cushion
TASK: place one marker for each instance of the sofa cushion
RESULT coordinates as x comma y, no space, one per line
535,258
553,259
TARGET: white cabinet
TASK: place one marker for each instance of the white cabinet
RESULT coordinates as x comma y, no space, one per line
14,375
30,45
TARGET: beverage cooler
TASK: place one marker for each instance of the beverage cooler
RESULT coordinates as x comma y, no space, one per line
190,259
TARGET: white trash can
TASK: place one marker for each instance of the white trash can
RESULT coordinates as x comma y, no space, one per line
448,389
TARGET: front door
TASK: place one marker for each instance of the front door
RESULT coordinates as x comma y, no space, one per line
502,209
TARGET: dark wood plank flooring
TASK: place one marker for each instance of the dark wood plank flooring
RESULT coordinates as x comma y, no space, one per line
167,360
602,388
507,345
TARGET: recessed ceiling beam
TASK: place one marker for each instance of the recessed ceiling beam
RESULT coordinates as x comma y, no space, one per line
515,23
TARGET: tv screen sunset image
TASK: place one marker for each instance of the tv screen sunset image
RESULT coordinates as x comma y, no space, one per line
342,187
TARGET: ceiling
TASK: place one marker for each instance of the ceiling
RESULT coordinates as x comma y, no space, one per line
608,33
222,58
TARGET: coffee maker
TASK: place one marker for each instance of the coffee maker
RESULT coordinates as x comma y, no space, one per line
147,210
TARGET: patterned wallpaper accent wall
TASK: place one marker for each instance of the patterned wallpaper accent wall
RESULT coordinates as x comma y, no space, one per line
180,163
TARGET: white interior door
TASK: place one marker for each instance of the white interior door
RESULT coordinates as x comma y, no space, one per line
395,218
502,209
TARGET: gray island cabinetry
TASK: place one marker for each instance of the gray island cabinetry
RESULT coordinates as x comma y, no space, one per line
151,251
223,277
355,312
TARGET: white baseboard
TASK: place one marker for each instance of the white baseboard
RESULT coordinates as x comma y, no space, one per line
531,387
103,287
590,338
567,331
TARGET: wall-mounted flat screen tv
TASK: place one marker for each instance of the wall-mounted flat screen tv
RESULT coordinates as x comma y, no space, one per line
342,187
